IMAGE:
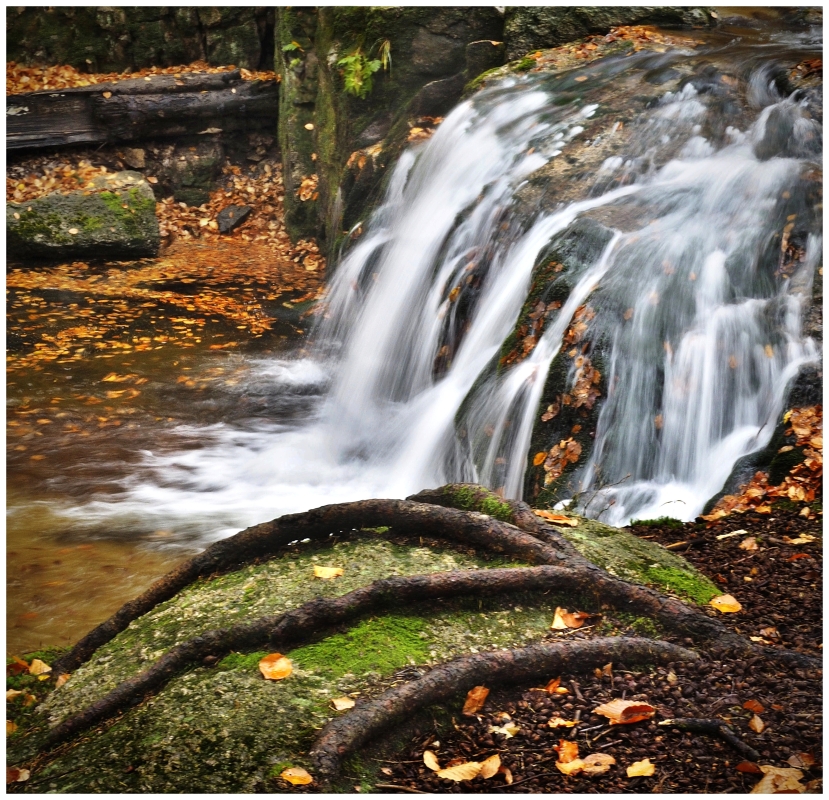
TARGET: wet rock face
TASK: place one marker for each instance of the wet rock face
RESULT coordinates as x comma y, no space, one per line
187,171
535,28
115,220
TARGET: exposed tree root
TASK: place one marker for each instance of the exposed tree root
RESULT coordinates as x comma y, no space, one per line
344,735
713,727
565,571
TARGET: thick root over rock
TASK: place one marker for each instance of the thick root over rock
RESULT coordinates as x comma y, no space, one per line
343,736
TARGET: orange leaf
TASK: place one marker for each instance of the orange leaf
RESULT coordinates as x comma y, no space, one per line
296,776
461,772
558,722
748,766
475,700
564,619
756,724
552,685
625,712
490,766
275,667
753,705
726,604
559,519
641,768
567,750
538,459
507,775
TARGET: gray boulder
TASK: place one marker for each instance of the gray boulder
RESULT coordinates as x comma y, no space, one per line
114,219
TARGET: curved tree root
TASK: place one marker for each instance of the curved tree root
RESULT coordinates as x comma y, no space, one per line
344,735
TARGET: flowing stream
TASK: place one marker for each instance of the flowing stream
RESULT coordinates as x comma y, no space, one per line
698,323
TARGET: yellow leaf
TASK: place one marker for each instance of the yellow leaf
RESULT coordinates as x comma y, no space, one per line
558,722
558,621
326,573
756,724
641,768
296,775
38,667
475,700
624,712
461,772
11,727
431,760
598,763
779,780
275,667
726,604
570,767
107,95
509,730
804,538
342,703
490,766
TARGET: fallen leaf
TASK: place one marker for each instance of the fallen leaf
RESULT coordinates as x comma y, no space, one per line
570,767
558,722
539,459
598,763
73,231
326,573
550,516
475,700
107,95
507,773
62,678
12,693
756,724
804,760
804,538
749,543
490,766
342,703
509,730
461,772
275,667
749,766
552,685
296,776
798,556
581,78
753,705
567,750
563,619
641,768
726,604
38,667
15,775
431,760
779,779
625,712
11,727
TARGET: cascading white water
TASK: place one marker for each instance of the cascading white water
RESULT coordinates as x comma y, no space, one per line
699,337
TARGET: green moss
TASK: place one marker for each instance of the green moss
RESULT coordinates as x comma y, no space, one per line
659,522
482,500
696,587
242,660
523,65
476,83
33,224
382,645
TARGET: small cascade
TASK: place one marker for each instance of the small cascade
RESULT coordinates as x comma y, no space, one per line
694,306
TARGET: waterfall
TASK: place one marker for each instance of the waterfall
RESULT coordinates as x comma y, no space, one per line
694,312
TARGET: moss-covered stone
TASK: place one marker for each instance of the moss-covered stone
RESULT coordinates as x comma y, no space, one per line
115,219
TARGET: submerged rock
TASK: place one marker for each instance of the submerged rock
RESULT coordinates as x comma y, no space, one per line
114,219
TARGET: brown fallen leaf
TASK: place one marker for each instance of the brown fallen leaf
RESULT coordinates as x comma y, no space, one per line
507,773
11,727
625,712
327,573
550,516
275,667
570,767
16,775
726,604
342,703
12,693
567,751
777,780
749,543
558,722
62,678
38,667
460,772
756,724
475,699
641,768
296,776
753,705
563,619
749,766
801,760
431,760
490,766
598,763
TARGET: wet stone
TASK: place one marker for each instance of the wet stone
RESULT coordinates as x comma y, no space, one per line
231,217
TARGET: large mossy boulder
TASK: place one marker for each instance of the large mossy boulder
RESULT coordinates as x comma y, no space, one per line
220,727
528,28
114,219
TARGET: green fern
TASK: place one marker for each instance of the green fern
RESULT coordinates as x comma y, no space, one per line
357,73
